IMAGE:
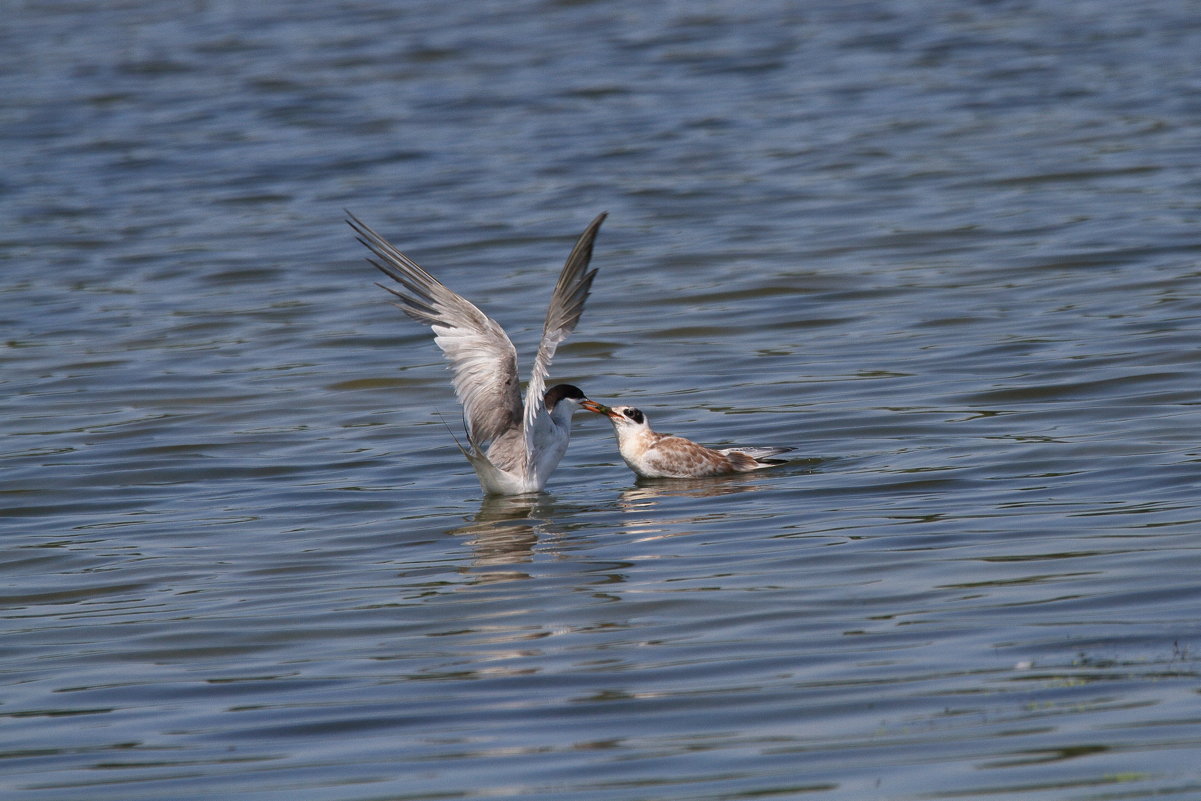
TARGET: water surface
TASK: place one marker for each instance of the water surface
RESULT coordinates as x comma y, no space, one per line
950,253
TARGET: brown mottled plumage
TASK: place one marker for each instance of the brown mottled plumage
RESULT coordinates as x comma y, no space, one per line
654,455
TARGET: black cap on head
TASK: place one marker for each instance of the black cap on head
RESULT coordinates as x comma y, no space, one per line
560,391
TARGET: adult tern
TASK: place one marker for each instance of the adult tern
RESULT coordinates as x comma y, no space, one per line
514,445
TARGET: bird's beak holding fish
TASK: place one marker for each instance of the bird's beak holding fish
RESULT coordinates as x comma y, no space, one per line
593,406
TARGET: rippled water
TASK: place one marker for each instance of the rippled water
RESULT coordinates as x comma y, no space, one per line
951,252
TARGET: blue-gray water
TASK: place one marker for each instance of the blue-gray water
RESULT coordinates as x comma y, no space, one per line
950,251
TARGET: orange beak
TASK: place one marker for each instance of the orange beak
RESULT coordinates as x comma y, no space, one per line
593,406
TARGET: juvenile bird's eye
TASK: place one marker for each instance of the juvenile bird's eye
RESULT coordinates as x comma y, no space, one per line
634,414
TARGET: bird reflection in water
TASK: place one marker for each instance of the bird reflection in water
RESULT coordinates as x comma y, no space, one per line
647,494
507,530
503,534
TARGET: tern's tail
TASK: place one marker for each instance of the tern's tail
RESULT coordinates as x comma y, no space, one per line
493,479
746,459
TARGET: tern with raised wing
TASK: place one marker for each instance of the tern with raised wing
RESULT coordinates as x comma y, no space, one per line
514,445
653,455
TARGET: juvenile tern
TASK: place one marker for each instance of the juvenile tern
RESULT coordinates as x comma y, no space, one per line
654,455
513,445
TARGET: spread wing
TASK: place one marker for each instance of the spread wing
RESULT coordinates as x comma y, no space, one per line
479,351
566,306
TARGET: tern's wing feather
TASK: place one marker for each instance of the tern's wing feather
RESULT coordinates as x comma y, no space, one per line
681,458
756,453
566,306
480,353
